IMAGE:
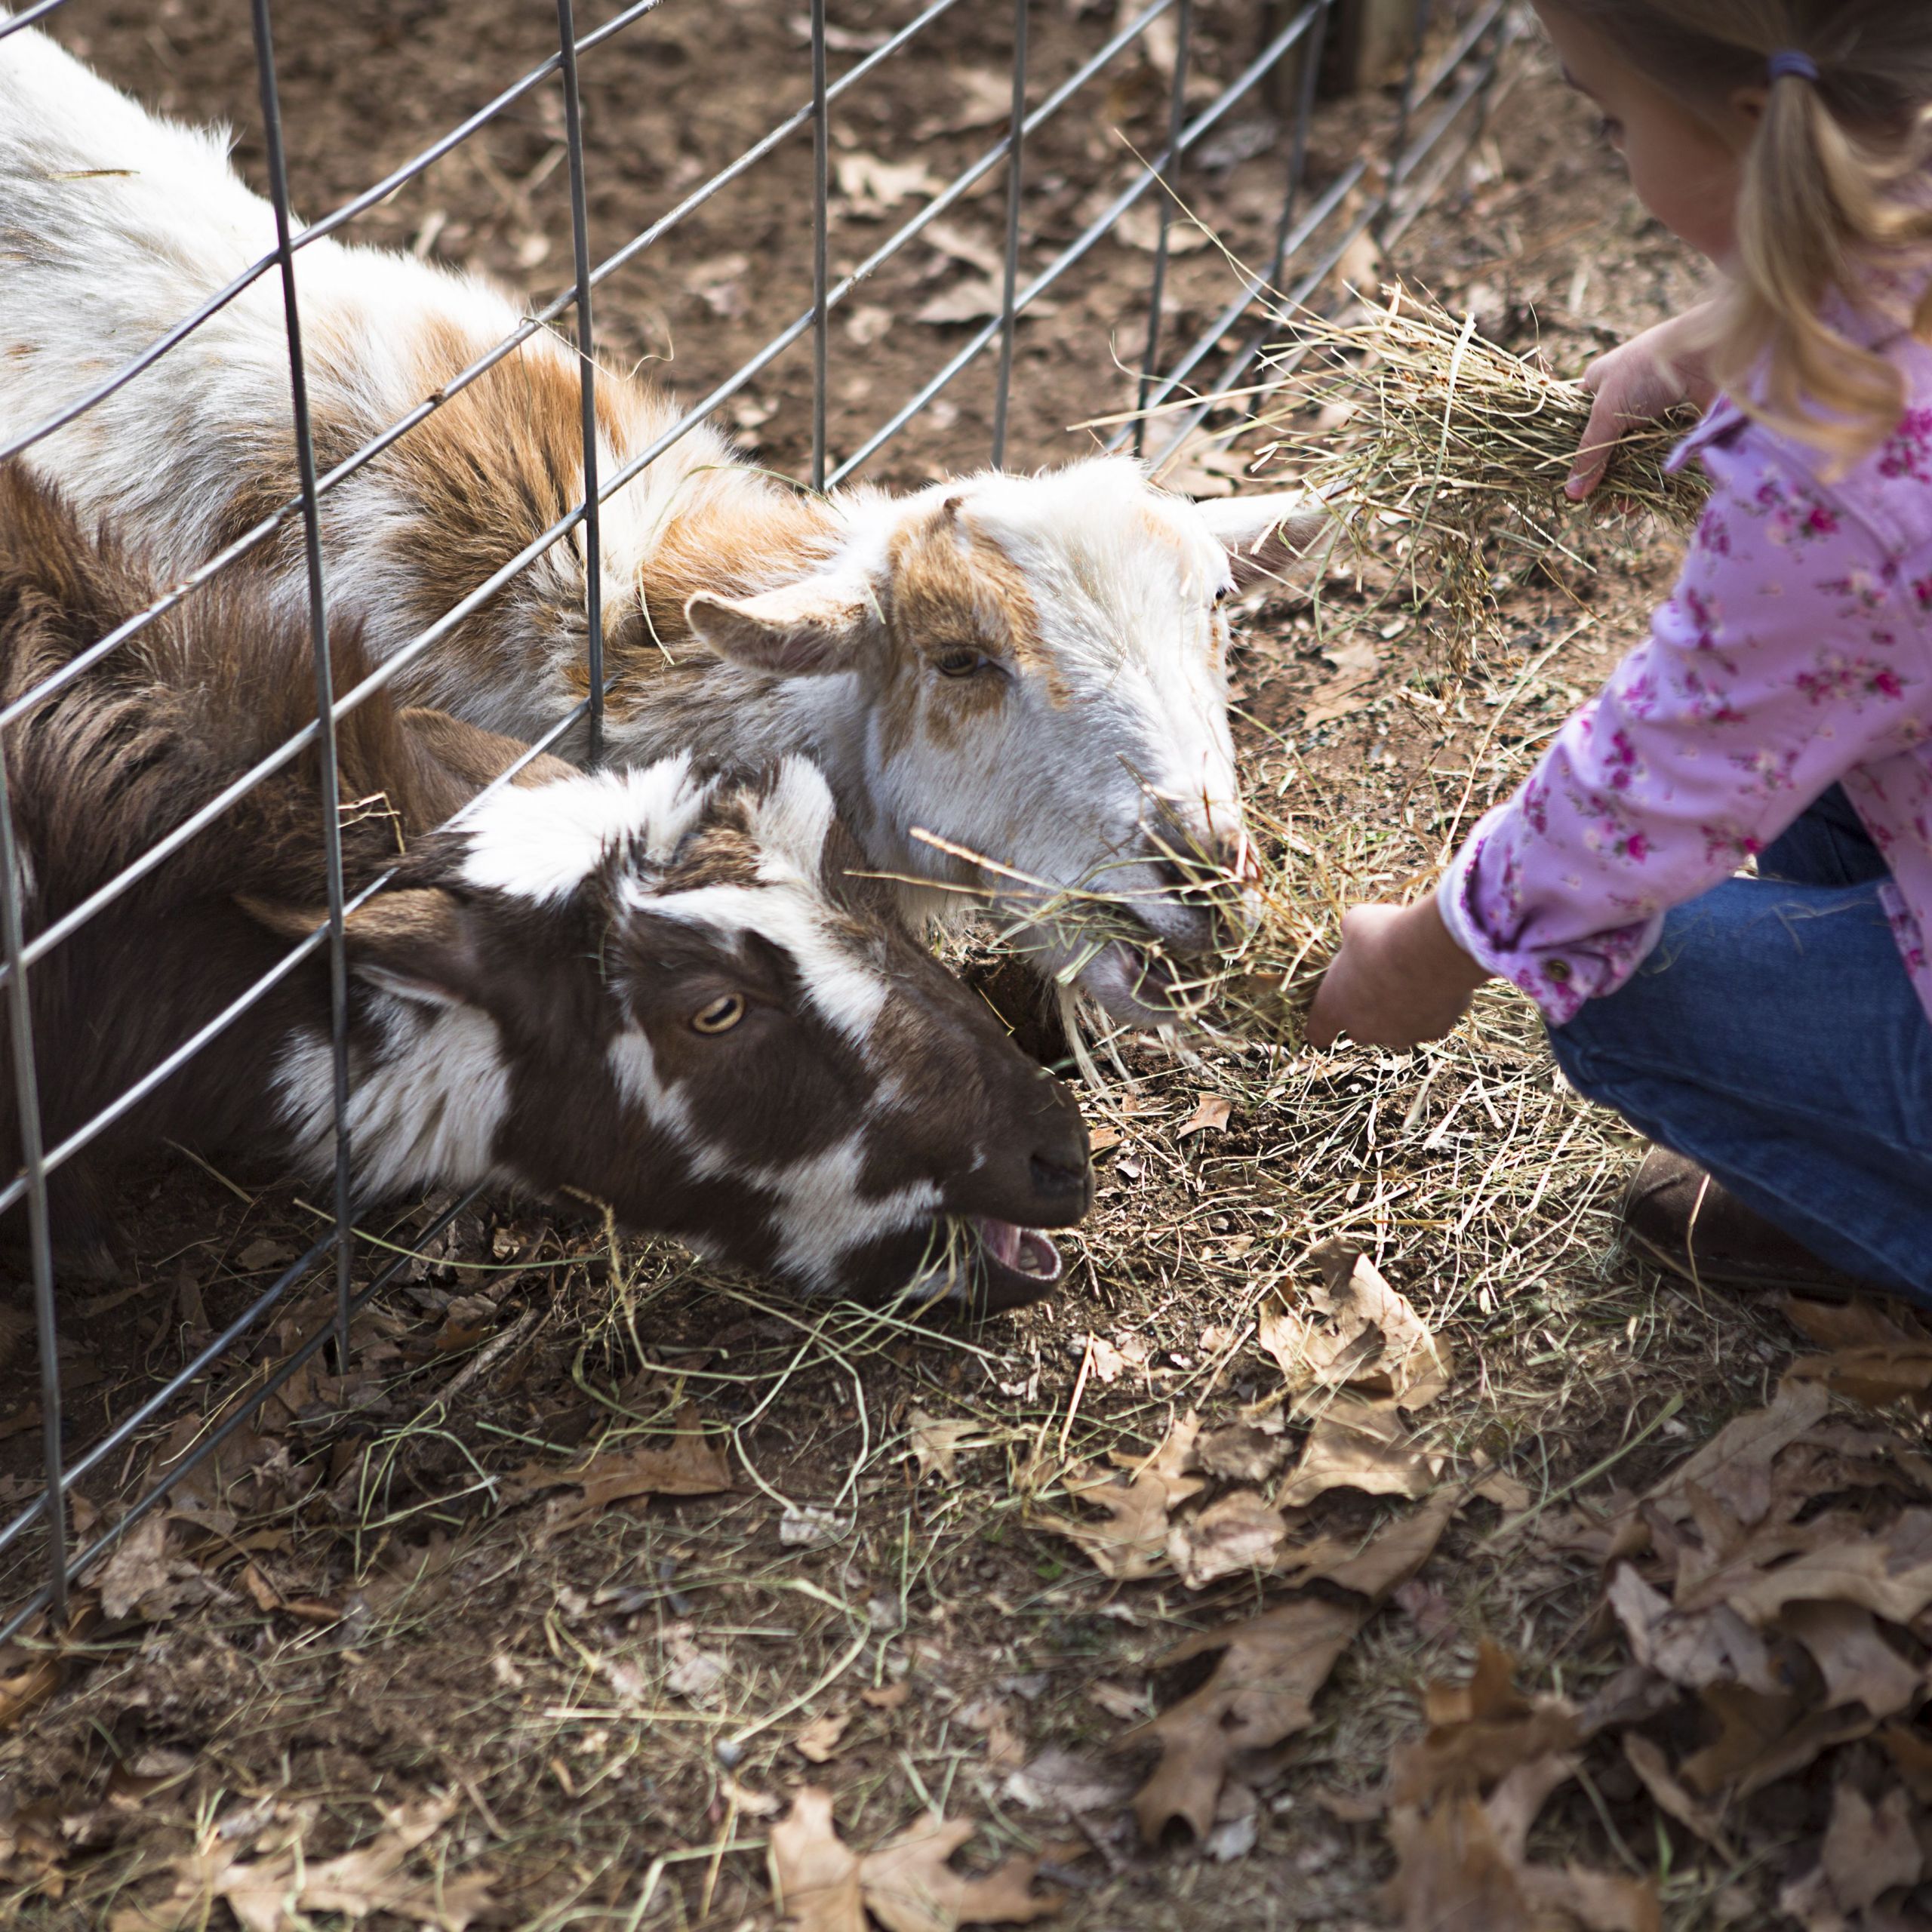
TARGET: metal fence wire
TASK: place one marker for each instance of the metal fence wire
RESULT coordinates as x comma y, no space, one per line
1458,45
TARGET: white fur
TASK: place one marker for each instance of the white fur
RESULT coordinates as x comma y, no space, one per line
541,842
822,1216
423,1112
96,263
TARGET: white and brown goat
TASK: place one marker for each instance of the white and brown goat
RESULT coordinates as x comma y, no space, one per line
1030,667
647,988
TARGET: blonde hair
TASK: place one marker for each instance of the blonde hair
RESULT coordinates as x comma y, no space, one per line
1834,191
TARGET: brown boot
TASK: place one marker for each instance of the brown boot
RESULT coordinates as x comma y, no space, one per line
1680,1218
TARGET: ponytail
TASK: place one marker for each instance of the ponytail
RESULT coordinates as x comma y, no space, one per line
1834,192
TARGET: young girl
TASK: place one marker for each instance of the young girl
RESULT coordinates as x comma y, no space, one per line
1774,1030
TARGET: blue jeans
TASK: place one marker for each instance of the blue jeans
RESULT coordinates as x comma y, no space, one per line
1774,1039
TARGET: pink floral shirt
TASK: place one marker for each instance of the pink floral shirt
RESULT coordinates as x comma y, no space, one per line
1795,650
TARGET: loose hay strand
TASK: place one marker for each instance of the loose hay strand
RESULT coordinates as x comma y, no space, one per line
1467,444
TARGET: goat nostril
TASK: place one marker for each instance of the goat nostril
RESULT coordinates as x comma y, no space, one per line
1051,1176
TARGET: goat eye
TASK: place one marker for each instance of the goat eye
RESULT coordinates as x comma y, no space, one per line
958,662
721,1015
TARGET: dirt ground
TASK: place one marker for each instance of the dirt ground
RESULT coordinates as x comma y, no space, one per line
547,1613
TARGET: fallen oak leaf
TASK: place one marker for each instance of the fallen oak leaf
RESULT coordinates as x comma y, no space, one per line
1876,1376
1236,1533
819,1740
1357,1445
1132,1543
1479,1732
1210,1116
1647,1760
1763,1739
1461,1855
1355,1330
1858,1666
935,1443
909,1885
275,1892
1691,1648
1870,1849
694,1465
1263,1689
814,1877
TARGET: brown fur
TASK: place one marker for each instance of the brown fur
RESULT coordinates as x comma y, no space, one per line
133,747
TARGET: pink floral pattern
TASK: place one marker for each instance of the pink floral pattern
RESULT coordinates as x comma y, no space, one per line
1795,652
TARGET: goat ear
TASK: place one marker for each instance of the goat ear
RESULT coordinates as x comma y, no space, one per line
805,629
413,942
1264,535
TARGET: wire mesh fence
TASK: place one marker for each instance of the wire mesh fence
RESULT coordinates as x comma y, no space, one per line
1177,389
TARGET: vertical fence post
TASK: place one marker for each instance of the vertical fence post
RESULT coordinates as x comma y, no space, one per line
586,365
40,1238
1311,69
821,216
327,785
1177,125
1015,139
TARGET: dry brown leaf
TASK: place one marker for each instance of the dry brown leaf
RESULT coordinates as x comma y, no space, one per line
1911,1753
1132,1543
25,1690
1691,1648
936,1442
1734,1466
1210,1115
1763,1739
1390,1557
135,1570
1455,1872
1357,1330
1262,1692
1270,1670
908,1884
1858,1666
1357,1445
277,1892
1853,1324
819,1740
693,1465
1850,1569
1235,1533
1888,1372
868,185
1869,1849
887,1696
1462,1854
1647,1760
1243,1452
909,1887
1479,1733
814,1879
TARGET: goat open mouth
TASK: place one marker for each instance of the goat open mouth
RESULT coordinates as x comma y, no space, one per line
1016,1265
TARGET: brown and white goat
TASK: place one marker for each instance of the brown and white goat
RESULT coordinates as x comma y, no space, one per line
1030,666
655,990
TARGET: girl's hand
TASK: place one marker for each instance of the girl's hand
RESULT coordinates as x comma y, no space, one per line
1398,980
1645,378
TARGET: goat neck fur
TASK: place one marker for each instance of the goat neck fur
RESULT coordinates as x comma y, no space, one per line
1030,667
653,989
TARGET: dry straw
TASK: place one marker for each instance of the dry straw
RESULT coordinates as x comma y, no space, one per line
1466,444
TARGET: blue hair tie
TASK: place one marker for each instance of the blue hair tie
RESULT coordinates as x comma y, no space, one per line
1791,60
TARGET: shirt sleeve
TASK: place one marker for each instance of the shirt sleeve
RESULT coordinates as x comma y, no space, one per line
1791,649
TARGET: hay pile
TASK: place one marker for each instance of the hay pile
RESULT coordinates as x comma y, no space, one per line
1462,445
